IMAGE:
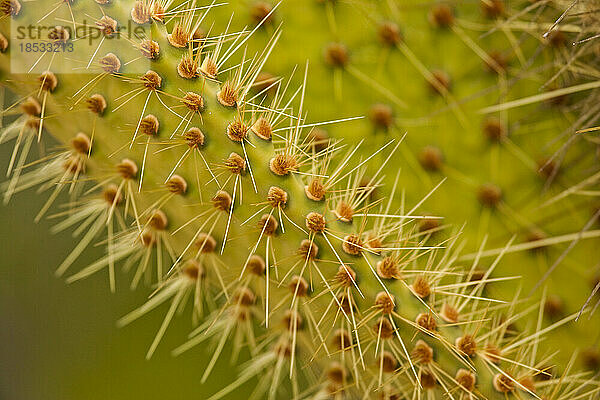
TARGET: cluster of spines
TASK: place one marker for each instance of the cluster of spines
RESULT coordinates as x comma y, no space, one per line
504,18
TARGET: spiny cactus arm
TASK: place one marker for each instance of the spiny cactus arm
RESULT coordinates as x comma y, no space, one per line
506,165
353,257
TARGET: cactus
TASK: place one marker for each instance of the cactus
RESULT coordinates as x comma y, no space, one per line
211,188
498,140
